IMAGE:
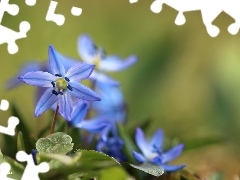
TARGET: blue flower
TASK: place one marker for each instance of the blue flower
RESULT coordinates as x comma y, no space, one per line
90,53
30,66
113,147
112,104
111,107
152,151
60,85
94,125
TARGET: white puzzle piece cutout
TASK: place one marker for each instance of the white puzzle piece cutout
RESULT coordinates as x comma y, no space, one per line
12,121
30,2
4,171
8,35
31,171
59,19
4,105
133,1
76,11
210,10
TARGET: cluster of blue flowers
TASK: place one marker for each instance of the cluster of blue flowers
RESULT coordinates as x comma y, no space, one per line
98,110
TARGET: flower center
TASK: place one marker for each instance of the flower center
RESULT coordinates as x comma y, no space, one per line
61,84
98,57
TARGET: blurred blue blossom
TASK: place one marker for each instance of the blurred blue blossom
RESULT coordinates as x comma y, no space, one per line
90,53
60,85
113,147
112,104
152,151
111,107
28,67
94,125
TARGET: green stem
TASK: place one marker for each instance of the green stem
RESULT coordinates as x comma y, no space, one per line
54,120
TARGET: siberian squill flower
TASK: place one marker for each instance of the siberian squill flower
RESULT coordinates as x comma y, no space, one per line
112,104
152,151
91,54
93,125
60,85
112,146
111,107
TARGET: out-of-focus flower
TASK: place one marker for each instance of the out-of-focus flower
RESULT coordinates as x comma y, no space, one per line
111,107
94,125
90,53
152,151
28,67
60,85
113,147
112,104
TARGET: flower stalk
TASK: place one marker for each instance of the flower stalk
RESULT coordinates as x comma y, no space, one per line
54,120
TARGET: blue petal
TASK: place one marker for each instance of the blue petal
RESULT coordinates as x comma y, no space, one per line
79,72
104,133
55,62
65,105
79,113
171,168
111,97
142,143
93,125
157,160
86,48
139,157
29,67
68,62
45,102
157,141
39,93
115,63
39,78
103,78
172,153
83,92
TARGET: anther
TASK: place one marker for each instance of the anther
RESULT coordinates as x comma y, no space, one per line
67,79
53,84
34,154
69,87
59,75
156,149
54,92
60,92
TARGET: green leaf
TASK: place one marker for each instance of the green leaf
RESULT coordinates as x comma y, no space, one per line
84,162
64,159
20,142
149,168
91,155
57,143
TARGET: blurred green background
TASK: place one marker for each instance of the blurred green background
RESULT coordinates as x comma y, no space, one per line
185,80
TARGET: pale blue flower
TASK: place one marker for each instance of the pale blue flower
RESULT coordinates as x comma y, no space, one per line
90,53
152,151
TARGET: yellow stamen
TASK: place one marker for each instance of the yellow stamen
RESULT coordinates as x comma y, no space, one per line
61,84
